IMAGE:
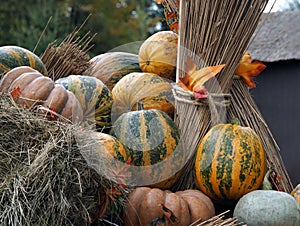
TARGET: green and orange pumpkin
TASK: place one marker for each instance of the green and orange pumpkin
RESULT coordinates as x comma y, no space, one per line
153,142
106,154
230,162
95,98
149,89
110,67
15,56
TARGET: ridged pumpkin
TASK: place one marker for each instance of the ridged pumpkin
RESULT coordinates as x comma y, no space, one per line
148,89
145,207
153,141
230,162
95,98
14,56
29,88
112,66
158,54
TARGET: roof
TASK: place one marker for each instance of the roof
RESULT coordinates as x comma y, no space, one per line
278,38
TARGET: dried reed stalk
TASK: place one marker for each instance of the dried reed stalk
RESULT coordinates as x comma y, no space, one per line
69,57
212,33
219,220
218,32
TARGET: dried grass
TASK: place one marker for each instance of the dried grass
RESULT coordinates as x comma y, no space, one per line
219,220
44,178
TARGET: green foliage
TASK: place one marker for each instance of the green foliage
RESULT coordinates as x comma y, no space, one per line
22,23
294,5
116,22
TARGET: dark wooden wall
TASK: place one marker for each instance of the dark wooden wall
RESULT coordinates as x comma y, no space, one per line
278,97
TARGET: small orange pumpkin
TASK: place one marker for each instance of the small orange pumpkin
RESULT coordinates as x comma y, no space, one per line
148,206
32,88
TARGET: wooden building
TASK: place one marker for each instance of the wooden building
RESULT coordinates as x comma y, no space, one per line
277,44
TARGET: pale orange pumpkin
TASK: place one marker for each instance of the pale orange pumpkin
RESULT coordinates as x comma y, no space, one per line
149,89
148,206
30,88
158,54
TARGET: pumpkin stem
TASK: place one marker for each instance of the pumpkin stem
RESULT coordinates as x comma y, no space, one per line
235,121
266,185
139,106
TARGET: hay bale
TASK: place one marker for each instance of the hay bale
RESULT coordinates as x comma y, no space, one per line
44,179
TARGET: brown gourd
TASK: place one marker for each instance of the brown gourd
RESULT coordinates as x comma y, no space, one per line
148,206
31,88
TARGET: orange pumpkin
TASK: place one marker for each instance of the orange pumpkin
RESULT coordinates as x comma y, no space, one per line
148,206
29,88
158,54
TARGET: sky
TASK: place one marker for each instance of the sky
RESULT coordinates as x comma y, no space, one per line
278,5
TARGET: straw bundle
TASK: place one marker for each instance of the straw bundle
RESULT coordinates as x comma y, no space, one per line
44,178
69,57
218,32
212,33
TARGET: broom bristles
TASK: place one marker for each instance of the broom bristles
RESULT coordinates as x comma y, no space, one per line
217,32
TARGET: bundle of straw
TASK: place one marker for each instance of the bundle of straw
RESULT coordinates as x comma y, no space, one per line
212,33
69,57
44,178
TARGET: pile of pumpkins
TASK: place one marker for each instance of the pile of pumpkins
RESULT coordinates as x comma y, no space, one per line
129,97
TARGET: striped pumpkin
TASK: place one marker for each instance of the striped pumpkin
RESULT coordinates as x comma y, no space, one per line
95,98
153,141
151,90
14,56
108,157
230,162
103,150
112,66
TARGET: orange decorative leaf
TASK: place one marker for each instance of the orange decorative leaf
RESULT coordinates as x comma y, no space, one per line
248,69
52,114
194,79
121,173
160,1
16,93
